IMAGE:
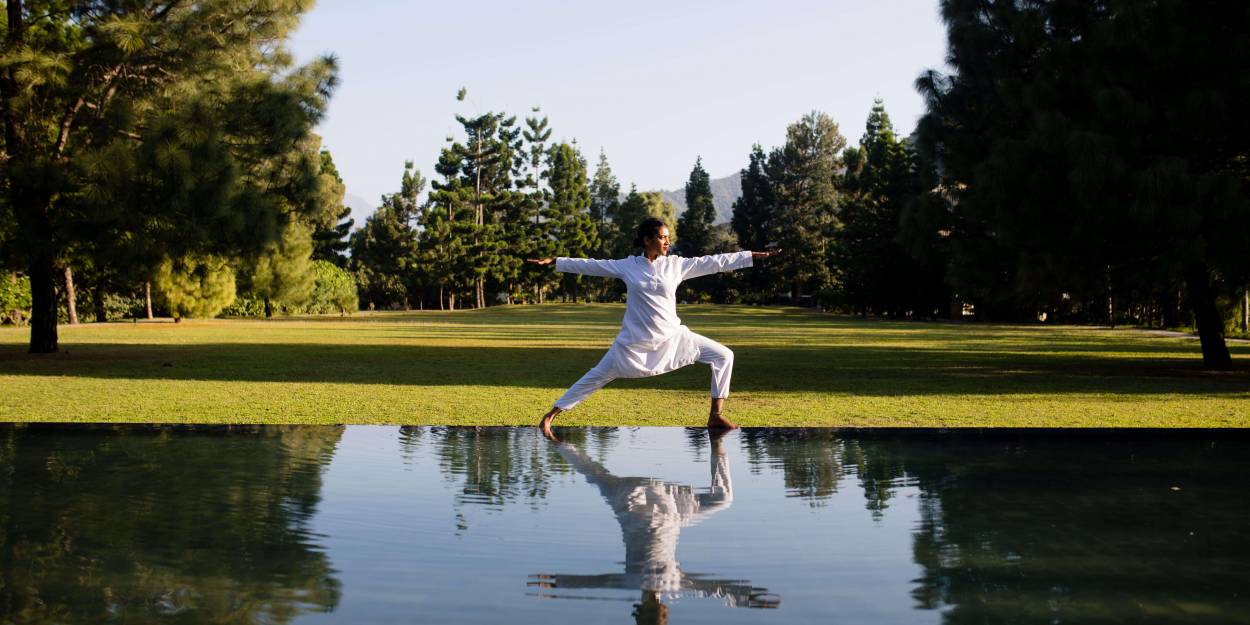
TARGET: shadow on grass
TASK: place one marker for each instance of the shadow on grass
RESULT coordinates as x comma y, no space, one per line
856,370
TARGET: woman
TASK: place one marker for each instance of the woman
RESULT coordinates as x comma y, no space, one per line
652,339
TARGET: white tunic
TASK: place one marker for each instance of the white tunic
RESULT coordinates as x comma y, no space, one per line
652,339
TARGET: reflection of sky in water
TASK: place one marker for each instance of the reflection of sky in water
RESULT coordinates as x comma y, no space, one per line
406,551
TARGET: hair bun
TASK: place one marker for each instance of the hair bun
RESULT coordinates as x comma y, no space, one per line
638,242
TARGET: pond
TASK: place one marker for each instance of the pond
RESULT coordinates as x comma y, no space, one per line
369,524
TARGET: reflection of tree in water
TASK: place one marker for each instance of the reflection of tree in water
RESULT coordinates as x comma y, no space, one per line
813,462
147,524
1083,528
495,465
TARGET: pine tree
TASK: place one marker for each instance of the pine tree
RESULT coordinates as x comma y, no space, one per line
532,234
486,160
605,192
1073,169
873,271
331,243
283,273
753,213
696,223
195,286
385,260
804,171
569,211
144,118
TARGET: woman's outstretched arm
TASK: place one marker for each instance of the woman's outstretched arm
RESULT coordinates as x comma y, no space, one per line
584,266
716,263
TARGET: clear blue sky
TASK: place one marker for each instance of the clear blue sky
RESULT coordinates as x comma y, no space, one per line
654,84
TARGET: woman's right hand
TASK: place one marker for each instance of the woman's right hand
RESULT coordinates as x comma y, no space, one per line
540,261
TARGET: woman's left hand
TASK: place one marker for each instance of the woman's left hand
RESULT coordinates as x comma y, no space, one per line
757,255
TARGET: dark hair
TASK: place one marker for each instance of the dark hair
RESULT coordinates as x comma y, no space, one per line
649,227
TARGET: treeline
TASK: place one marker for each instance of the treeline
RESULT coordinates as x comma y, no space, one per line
1083,162
503,192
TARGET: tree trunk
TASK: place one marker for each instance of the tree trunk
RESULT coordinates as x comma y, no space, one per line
43,339
451,300
147,298
70,304
1207,317
101,314
268,308
440,297
1245,311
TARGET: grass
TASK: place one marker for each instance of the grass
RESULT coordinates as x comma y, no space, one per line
503,366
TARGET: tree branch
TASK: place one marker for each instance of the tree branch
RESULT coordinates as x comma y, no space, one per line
67,121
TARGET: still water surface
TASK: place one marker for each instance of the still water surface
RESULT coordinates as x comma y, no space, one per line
364,524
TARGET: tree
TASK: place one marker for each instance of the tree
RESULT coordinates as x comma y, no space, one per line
605,192
803,176
195,286
143,117
331,243
385,250
696,223
873,271
283,273
753,213
1076,170
334,290
569,210
522,228
485,163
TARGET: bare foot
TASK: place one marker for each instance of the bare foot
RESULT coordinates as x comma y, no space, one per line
716,422
545,425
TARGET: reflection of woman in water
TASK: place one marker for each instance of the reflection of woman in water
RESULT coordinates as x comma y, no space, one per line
651,514
652,339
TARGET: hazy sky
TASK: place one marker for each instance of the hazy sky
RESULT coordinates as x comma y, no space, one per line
654,84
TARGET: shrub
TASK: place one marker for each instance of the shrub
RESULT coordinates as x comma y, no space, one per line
335,290
195,285
14,299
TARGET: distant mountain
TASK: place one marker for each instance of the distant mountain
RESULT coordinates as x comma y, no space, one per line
361,208
725,191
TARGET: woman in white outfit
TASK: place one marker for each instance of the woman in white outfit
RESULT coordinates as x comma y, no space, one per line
652,339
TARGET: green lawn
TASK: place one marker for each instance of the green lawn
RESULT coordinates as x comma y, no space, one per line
506,365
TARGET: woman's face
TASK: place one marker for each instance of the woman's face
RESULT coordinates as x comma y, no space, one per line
657,244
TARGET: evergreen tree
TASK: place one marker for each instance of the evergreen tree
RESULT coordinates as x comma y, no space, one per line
873,271
533,235
195,286
486,162
331,243
569,210
1074,169
385,260
804,171
753,212
283,273
696,223
145,119
605,192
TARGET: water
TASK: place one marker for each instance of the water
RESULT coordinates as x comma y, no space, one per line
126,524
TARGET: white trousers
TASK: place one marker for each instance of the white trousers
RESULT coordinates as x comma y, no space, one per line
710,352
